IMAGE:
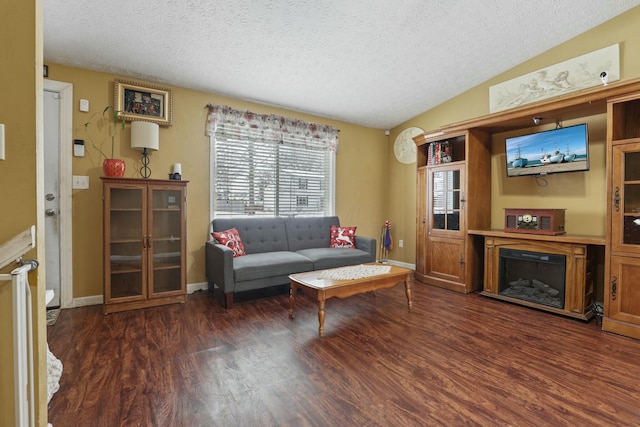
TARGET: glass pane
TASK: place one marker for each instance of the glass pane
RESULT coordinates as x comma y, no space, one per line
453,221
166,199
631,225
632,166
125,198
632,198
166,241
126,256
631,230
166,253
126,225
165,280
126,269
446,200
126,284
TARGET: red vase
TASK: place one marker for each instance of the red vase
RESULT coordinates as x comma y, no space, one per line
113,167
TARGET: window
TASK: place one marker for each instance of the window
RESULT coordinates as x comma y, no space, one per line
270,166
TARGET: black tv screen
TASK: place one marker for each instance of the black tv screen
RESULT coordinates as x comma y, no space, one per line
551,151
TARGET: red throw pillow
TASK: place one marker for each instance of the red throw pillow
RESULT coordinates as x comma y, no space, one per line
231,239
343,237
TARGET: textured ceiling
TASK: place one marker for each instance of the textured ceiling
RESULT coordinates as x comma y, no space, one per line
375,63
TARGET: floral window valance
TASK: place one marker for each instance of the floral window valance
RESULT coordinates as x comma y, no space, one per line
223,120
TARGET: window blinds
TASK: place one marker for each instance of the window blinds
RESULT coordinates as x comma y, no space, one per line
262,169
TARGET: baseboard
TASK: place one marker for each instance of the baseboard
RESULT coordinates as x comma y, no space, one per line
402,264
193,287
84,301
98,299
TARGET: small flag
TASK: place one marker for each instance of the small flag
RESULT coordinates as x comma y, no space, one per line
388,240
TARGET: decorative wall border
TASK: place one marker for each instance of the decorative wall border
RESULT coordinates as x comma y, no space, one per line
572,75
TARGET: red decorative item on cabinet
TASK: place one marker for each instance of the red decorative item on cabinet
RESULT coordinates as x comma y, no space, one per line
113,167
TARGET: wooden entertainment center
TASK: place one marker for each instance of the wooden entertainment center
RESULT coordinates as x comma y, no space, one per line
455,246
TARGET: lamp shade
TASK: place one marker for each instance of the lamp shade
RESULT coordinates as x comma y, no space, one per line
145,135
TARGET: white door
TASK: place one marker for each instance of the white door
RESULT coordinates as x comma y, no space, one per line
52,193
58,142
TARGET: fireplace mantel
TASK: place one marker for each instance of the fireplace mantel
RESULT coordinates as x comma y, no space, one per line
580,252
560,238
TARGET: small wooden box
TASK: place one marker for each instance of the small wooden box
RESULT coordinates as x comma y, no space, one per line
534,221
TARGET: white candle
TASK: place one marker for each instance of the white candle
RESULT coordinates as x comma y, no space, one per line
177,168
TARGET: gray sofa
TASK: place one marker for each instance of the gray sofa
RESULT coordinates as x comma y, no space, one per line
276,248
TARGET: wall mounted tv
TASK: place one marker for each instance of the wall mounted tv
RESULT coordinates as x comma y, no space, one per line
552,151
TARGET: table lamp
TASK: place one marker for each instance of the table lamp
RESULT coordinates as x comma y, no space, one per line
145,136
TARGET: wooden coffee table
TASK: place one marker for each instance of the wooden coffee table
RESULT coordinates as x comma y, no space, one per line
327,288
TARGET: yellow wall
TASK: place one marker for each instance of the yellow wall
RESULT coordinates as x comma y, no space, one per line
20,106
360,187
581,193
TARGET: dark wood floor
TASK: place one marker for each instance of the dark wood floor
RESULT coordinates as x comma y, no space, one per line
454,360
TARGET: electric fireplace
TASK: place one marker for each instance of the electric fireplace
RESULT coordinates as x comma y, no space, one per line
532,276
554,273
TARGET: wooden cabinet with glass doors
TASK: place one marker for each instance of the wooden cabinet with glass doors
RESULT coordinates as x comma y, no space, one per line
452,196
144,243
622,268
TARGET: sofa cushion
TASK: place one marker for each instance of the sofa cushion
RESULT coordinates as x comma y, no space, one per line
231,239
309,232
343,237
269,264
258,234
324,258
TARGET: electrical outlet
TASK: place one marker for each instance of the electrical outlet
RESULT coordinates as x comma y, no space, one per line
80,182
401,243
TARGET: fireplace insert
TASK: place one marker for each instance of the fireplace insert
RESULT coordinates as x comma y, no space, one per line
533,276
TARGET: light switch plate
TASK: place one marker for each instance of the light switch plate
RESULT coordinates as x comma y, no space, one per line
80,182
84,105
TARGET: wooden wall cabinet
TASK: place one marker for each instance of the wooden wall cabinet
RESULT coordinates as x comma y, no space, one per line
452,197
622,266
144,243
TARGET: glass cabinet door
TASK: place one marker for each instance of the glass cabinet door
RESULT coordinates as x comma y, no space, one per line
445,197
626,198
126,261
166,237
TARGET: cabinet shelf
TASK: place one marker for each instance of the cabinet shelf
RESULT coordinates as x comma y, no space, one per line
125,240
121,269
443,165
165,266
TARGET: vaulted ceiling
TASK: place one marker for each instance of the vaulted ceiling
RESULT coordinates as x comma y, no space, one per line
374,63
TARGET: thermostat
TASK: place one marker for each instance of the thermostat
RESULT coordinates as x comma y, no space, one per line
78,147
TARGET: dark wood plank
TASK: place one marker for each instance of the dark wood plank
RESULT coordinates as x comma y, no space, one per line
453,360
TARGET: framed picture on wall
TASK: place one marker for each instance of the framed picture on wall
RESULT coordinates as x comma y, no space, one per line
143,102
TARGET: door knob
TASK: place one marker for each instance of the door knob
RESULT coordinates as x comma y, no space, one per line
50,197
49,212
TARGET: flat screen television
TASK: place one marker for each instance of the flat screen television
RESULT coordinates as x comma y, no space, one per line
552,151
